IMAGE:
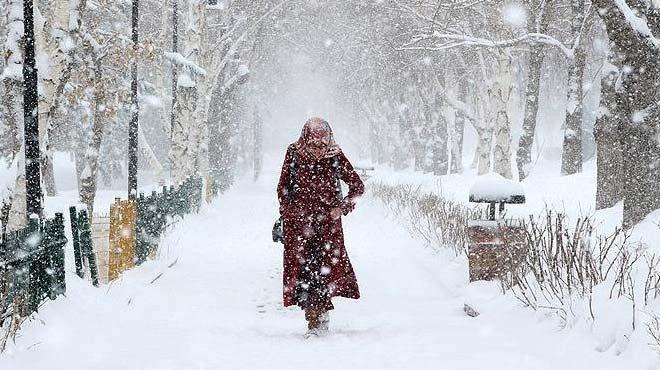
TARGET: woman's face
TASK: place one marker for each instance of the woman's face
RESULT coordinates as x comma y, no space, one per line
317,147
317,137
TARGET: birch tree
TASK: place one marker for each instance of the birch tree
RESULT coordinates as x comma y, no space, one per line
499,95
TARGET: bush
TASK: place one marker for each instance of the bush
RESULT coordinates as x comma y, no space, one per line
566,266
440,222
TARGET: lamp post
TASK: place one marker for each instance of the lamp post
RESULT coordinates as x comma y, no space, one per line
135,110
31,116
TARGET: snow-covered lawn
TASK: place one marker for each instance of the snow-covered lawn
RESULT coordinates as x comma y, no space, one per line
219,307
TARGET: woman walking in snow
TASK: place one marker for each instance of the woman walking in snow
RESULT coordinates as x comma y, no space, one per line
316,265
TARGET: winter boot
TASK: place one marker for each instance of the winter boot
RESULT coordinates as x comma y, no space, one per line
324,321
312,317
313,323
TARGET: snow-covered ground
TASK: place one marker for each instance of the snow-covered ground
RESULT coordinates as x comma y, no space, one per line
212,300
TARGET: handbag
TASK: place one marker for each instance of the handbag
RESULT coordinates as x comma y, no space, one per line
278,231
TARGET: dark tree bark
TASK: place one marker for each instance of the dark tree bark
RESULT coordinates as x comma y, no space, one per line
637,100
541,12
400,154
439,158
608,135
459,131
133,127
419,141
420,131
375,143
175,49
31,117
571,159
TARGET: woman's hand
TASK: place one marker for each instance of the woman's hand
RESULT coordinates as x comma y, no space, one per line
335,213
347,206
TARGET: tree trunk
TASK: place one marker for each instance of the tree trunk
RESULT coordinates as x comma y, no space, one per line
18,210
88,177
524,153
571,159
421,145
215,119
499,96
258,144
483,150
440,160
12,103
458,130
608,135
48,173
484,118
401,136
14,89
637,99
189,138
221,152
526,140
181,164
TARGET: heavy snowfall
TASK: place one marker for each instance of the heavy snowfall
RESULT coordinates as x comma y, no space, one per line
487,171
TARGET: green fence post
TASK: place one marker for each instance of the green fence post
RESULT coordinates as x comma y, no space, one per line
86,244
58,241
75,236
33,256
153,222
141,244
48,279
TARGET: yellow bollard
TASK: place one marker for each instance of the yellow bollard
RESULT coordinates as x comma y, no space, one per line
123,218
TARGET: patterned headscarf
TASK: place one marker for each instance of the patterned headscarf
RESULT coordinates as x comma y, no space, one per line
318,129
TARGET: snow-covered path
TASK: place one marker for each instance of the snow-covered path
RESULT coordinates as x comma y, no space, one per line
219,307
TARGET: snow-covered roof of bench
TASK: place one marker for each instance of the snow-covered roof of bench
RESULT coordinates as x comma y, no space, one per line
495,188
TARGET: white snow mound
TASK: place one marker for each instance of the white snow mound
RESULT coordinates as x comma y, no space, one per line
493,187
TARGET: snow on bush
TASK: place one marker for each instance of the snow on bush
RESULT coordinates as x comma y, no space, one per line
439,221
609,283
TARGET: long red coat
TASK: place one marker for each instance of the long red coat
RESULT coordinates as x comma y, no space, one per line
307,217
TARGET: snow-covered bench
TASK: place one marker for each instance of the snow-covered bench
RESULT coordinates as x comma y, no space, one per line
496,245
495,189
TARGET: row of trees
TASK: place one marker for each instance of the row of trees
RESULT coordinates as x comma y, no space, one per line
413,75
83,53
420,73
